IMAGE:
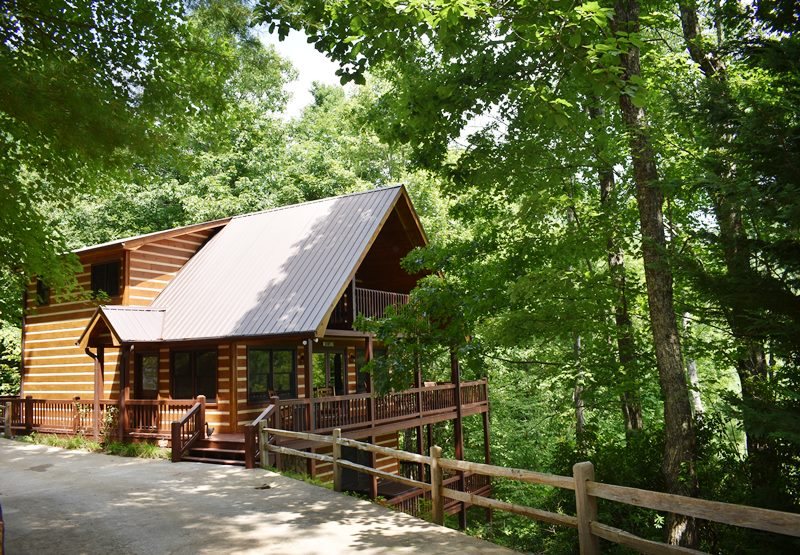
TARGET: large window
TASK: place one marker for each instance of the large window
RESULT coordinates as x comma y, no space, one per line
146,376
105,278
194,373
270,372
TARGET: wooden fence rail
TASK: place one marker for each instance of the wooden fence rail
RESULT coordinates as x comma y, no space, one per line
587,492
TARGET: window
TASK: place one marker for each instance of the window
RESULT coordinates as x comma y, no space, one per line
42,293
105,277
270,372
146,376
194,373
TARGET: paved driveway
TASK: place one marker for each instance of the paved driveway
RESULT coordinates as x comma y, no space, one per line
59,501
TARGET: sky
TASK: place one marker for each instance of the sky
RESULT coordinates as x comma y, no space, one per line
310,65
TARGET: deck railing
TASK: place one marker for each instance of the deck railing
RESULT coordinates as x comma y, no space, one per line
67,416
153,417
373,303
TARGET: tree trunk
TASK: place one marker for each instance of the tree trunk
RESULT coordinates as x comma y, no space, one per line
631,404
691,371
578,403
679,450
751,364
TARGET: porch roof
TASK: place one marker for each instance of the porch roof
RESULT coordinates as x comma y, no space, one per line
126,324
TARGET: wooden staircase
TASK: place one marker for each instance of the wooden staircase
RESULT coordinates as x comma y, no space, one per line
218,449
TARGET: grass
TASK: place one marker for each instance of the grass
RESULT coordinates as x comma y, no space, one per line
79,442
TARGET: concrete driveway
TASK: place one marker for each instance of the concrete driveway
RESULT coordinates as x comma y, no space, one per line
59,501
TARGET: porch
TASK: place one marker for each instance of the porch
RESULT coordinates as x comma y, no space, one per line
357,415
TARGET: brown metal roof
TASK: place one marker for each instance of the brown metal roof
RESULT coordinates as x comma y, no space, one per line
275,272
127,324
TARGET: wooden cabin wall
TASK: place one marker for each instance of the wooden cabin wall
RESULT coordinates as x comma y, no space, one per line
155,264
54,367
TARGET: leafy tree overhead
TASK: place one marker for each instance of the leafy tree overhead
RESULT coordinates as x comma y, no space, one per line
90,90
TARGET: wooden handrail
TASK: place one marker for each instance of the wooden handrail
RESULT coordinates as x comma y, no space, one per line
251,440
587,491
190,428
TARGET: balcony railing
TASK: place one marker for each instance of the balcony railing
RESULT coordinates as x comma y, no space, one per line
371,303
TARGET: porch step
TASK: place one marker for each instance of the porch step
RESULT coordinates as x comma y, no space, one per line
214,460
218,449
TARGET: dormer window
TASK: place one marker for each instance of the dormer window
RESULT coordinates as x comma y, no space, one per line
105,278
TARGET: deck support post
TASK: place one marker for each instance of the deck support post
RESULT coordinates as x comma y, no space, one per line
455,378
586,508
487,453
437,497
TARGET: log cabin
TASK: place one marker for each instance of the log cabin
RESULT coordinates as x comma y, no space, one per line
212,326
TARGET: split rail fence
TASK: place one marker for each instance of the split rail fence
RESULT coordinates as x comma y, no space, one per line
582,482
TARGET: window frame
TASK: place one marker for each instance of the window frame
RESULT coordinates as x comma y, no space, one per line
138,374
256,398
96,278
193,357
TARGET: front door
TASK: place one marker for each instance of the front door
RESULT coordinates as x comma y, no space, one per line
145,381
330,373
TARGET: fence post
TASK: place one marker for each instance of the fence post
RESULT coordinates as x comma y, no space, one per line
8,416
76,414
337,454
249,446
263,441
29,413
586,508
437,497
278,457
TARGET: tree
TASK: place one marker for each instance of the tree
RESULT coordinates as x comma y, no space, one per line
476,55
90,90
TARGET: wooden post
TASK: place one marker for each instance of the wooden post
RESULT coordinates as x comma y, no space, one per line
29,413
337,454
487,453
309,377
278,458
263,441
7,420
176,442
455,378
124,390
437,498
586,507
202,400
76,414
373,480
249,446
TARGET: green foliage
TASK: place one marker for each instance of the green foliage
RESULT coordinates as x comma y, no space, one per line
10,356
86,99
143,450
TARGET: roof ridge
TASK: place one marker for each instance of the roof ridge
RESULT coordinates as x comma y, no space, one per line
309,202
132,308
